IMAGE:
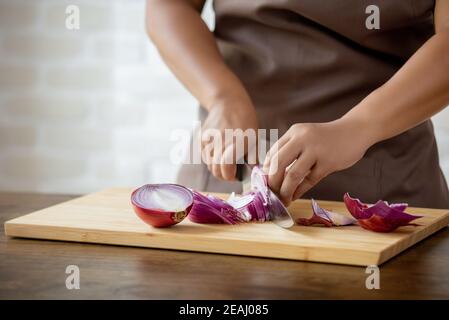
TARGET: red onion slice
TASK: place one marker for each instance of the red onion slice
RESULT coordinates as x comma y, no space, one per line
240,201
275,209
250,205
380,217
162,205
325,217
243,204
210,209
262,211
259,183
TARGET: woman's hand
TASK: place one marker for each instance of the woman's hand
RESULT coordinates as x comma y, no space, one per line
308,152
221,153
190,50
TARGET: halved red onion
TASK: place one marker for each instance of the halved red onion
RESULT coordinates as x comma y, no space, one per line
210,209
380,217
325,217
162,205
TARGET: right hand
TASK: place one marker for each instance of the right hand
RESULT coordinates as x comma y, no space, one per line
231,114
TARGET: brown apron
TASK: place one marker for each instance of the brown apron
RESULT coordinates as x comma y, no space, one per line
312,61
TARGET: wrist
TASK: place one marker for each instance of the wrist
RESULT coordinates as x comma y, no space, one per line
361,128
237,104
370,119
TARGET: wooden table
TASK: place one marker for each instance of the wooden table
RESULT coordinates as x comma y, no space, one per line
34,269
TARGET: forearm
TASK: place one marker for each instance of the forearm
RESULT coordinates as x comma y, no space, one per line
190,51
414,94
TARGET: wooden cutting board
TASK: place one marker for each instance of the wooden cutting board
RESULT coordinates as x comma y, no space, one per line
107,217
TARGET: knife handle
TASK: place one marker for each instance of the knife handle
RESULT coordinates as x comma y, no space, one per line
239,173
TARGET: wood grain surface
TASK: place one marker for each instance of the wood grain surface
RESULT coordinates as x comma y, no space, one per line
35,269
107,217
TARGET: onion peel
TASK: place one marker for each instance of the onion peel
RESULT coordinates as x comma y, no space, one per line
325,217
380,217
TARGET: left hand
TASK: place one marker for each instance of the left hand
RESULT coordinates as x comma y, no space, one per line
308,152
221,156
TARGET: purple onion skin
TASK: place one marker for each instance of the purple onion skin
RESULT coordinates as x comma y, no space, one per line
315,219
160,219
380,217
325,217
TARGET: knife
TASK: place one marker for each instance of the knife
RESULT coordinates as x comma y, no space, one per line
244,176
279,213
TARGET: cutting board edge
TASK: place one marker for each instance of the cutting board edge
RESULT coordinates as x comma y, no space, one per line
18,223
400,246
325,255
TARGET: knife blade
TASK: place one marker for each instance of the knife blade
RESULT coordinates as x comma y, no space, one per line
279,213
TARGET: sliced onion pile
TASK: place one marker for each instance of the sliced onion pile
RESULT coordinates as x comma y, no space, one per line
210,209
163,205
255,205
252,206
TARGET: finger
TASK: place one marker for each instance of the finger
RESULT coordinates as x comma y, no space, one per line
207,136
228,163
209,167
251,151
278,164
273,150
216,165
252,155
315,176
228,171
216,171
294,176
207,154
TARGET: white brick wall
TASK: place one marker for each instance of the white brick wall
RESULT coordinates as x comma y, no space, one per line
87,109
